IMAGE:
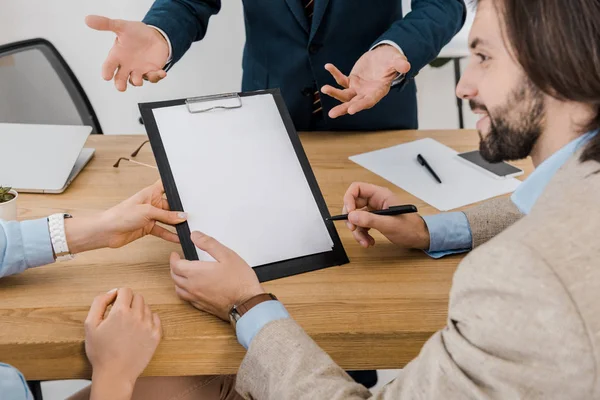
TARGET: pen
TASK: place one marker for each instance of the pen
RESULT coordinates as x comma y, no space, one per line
394,210
424,163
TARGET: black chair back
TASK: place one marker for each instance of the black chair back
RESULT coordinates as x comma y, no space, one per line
37,86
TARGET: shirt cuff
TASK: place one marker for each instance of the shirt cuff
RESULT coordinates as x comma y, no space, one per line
391,43
24,245
13,384
257,318
37,245
449,233
168,42
400,77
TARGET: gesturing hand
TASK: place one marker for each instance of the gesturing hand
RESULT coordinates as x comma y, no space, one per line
369,81
139,52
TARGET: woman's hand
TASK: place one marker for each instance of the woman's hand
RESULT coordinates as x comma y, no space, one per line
120,345
126,222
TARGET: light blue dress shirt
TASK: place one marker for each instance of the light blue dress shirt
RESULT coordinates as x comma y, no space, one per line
12,384
24,245
449,233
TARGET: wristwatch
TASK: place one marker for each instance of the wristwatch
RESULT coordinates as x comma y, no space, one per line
238,311
56,225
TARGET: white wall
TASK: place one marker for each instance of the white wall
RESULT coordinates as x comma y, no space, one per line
212,66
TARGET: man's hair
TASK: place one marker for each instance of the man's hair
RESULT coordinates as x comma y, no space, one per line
557,43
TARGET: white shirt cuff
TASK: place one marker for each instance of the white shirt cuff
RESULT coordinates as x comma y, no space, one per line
168,42
393,44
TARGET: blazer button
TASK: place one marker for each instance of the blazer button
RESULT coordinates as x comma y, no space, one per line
314,48
307,91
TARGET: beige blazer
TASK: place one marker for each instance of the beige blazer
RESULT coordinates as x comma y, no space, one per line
523,319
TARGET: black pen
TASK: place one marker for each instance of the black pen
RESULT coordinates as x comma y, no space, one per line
394,210
424,163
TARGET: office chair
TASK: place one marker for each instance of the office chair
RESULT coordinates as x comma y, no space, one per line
37,86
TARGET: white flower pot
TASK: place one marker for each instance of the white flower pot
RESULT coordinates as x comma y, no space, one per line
8,210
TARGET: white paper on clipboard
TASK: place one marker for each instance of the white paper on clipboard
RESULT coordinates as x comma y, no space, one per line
240,181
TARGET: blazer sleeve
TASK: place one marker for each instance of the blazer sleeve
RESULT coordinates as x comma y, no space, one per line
498,344
489,218
184,21
424,31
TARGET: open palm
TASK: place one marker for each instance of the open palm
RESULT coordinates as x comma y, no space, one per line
369,81
139,52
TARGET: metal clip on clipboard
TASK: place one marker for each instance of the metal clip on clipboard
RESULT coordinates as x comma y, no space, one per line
202,104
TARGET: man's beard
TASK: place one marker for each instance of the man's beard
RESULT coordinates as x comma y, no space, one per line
515,127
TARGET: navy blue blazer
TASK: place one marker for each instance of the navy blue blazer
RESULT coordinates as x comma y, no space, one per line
284,51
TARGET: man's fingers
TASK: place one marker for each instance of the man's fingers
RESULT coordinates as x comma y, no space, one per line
361,194
155,76
138,304
365,219
124,298
210,245
121,79
339,111
136,78
109,67
164,234
348,224
179,266
361,235
179,280
358,194
401,65
100,23
340,78
98,308
184,294
339,94
361,104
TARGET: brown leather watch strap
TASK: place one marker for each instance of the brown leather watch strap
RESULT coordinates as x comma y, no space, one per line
253,301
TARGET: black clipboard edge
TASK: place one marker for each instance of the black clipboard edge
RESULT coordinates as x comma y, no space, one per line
166,175
267,272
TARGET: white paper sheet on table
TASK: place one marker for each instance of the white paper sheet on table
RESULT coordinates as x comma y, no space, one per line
240,181
462,184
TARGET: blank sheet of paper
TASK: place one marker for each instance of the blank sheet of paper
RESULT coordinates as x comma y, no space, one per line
240,181
462,184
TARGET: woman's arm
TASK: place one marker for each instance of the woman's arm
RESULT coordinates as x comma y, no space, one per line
24,245
27,244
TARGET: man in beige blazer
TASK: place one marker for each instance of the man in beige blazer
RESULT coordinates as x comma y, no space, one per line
524,313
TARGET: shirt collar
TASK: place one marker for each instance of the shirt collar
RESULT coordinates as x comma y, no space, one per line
530,190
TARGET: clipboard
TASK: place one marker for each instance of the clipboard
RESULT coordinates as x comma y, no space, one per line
226,106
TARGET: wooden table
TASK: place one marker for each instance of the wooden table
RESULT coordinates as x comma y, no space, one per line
374,313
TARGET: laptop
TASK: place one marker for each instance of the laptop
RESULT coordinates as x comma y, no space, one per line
42,158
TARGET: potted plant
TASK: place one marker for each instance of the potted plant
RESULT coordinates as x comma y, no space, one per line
8,203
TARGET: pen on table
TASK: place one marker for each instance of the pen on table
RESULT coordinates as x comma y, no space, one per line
394,210
424,163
